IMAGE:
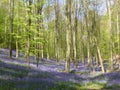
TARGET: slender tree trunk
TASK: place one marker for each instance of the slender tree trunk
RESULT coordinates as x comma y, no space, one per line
39,47
5,30
28,50
74,50
11,26
48,55
57,26
110,30
118,33
74,30
100,58
88,53
17,48
88,44
68,51
68,34
83,41
88,30
28,34
18,27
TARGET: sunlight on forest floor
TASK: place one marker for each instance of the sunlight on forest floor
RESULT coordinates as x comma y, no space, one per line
15,75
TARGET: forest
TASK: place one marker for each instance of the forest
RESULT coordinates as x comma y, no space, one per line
59,44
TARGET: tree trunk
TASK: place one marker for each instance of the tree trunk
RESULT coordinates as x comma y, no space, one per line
57,27
68,51
110,30
74,30
16,49
11,26
28,34
118,31
39,47
68,34
101,61
87,17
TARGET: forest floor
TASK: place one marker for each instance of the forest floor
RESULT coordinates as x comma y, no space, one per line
49,75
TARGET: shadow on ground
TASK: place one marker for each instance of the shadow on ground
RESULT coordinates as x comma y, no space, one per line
18,77
107,81
15,77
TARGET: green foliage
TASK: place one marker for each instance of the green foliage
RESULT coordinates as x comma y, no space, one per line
42,29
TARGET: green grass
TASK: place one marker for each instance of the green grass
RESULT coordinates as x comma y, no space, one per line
93,85
113,87
13,73
42,85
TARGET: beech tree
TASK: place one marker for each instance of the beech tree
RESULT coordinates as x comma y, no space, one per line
70,30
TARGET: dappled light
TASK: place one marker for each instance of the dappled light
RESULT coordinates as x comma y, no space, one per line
16,75
59,44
